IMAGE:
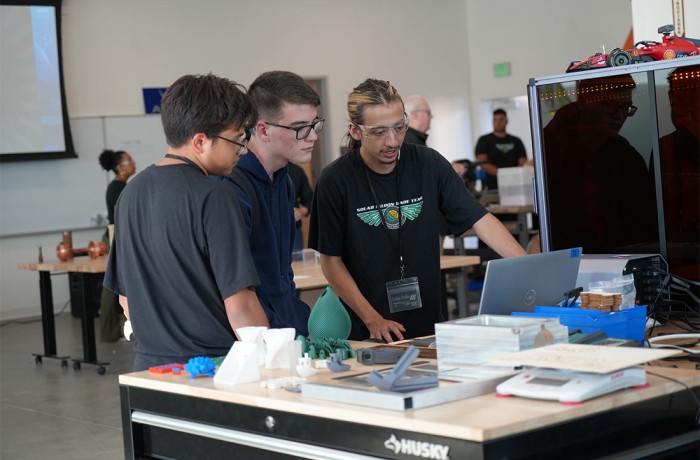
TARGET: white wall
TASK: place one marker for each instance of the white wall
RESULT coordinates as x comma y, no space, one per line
113,49
442,49
649,15
538,38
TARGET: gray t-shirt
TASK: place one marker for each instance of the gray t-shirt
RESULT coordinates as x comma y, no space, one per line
180,247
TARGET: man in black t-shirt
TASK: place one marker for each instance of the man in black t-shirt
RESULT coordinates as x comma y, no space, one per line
374,219
499,150
176,232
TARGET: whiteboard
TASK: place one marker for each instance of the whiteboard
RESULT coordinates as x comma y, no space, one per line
48,195
142,136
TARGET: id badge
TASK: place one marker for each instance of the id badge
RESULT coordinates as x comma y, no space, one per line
403,295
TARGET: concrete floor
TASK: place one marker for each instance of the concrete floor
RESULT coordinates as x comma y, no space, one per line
48,411
52,412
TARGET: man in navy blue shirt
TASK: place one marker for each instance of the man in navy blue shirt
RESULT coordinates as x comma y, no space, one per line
285,131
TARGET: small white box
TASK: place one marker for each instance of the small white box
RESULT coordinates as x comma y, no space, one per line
515,186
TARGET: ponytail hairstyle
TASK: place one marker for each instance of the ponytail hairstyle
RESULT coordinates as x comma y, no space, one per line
109,159
369,92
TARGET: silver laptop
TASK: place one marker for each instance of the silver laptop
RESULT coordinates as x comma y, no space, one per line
522,283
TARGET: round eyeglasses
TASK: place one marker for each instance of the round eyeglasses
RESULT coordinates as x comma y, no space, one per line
380,132
302,132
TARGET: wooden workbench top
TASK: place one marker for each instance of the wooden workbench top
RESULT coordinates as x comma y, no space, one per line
479,419
83,264
306,275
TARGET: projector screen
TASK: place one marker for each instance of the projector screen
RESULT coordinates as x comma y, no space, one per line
33,116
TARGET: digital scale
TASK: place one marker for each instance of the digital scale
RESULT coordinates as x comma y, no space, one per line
570,387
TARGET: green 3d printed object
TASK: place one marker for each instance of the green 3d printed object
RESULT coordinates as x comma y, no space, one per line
329,319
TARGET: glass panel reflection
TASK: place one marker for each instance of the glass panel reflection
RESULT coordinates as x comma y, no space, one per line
596,150
678,110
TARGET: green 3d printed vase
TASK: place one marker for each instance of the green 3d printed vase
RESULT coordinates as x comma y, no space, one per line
329,319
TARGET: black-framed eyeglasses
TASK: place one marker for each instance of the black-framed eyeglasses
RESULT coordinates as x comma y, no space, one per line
243,145
627,109
303,131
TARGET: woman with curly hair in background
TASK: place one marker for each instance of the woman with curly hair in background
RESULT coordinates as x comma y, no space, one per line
123,166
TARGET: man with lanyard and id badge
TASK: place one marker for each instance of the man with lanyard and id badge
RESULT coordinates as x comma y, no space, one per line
375,220
176,231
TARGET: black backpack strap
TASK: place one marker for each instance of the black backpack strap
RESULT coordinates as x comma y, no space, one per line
240,179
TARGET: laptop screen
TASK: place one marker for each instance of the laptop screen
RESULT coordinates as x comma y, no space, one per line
522,283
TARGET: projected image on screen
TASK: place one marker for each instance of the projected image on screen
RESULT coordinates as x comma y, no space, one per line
32,116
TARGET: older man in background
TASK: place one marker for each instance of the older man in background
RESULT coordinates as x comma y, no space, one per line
419,117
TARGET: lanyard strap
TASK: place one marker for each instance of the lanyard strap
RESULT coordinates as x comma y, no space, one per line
381,214
185,159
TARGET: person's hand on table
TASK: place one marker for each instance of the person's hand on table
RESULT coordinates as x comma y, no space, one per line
383,329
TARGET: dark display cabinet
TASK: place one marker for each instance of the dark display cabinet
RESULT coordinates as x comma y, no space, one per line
617,161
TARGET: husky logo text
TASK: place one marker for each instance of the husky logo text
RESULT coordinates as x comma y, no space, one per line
420,449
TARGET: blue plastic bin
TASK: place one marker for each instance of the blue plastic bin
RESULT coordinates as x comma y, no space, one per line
475,285
622,324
